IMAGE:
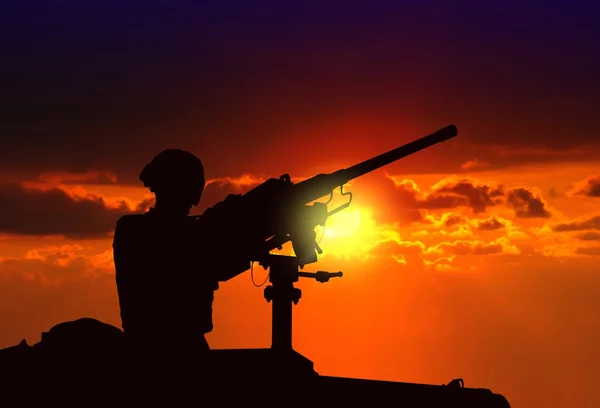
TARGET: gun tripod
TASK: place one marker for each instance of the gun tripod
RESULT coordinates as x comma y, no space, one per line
284,271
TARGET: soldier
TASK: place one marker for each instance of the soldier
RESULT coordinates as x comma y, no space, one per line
167,263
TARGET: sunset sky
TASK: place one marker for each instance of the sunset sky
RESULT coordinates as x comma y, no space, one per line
477,258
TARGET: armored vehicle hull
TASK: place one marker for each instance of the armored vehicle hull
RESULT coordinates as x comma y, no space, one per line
81,363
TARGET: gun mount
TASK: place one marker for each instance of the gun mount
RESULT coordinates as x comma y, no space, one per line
283,272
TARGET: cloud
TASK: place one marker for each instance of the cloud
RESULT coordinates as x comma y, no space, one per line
588,236
453,192
587,222
590,187
469,193
87,177
527,203
474,164
58,264
241,182
444,255
373,242
53,211
64,203
442,264
490,224
473,247
452,219
449,193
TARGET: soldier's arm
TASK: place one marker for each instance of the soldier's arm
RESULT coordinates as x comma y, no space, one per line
226,240
122,256
122,245
228,255
120,260
232,268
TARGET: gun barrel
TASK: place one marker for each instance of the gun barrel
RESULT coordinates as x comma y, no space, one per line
323,184
398,153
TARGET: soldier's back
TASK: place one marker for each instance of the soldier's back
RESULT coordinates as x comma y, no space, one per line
163,287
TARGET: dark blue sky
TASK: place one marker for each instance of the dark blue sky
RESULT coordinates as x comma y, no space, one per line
89,75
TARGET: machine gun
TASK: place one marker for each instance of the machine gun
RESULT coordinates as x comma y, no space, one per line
279,211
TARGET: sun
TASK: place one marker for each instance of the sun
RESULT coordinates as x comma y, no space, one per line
348,234
341,225
351,234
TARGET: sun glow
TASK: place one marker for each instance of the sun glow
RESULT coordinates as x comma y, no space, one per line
349,234
342,225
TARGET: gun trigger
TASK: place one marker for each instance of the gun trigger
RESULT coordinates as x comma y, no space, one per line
318,248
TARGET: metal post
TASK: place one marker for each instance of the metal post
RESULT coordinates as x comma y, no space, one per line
281,335
283,273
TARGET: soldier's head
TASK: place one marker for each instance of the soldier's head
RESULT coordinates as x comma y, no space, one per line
176,177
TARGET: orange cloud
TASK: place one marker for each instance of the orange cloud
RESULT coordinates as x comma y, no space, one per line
88,177
474,164
63,204
579,244
370,241
56,264
590,187
474,247
469,193
452,219
442,264
490,224
53,211
444,232
410,203
528,203
240,182
586,222
588,236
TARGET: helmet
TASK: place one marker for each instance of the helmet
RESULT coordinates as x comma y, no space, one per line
175,171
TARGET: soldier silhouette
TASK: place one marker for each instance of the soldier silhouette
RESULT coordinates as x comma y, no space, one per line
168,265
